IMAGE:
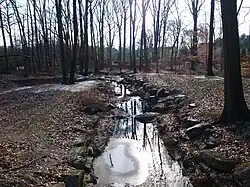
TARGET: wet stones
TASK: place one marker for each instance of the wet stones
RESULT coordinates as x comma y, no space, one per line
73,179
217,162
242,175
147,117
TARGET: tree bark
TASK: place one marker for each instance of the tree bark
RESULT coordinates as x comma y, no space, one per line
86,53
210,48
235,108
75,45
4,44
60,35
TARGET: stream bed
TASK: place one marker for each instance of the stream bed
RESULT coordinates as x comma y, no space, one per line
135,155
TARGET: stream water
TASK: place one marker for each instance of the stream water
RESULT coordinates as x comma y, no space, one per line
135,154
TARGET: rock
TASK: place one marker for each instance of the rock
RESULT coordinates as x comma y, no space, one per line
211,142
162,93
175,92
242,175
152,91
90,151
61,184
147,117
88,165
93,109
192,105
179,98
73,179
205,181
80,141
189,122
77,161
168,100
198,130
159,108
217,161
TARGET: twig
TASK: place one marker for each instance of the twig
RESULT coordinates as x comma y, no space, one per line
22,166
110,158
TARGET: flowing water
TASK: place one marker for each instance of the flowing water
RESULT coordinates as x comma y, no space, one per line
135,154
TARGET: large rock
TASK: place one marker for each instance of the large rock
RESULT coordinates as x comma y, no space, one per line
198,130
73,179
162,93
217,161
147,117
189,122
159,108
242,175
93,109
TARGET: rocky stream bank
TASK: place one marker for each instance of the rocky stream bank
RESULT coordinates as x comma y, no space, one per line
211,154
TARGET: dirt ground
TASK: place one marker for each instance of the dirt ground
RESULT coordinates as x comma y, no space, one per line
38,131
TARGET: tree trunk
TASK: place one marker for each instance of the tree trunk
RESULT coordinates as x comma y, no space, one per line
133,35
75,26
195,38
38,55
60,35
4,43
235,108
86,53
124,35
210,50
81,51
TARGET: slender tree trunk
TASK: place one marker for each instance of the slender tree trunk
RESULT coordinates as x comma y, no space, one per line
211,34
38,55
75,45
4,43
195,38
124,35
60,35
81,51
32,39
235,108
86,54
133,35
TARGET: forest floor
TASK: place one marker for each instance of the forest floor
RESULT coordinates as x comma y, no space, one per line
46,134
207,95
42,128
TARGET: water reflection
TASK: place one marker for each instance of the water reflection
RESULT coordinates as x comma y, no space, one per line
145,148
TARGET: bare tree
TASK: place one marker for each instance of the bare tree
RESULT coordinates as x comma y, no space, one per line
60,35
4,43
194,7
211,45
75,45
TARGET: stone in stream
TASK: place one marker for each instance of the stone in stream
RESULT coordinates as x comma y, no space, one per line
198,130
242,175
73,178
147,117
217,161
161,108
